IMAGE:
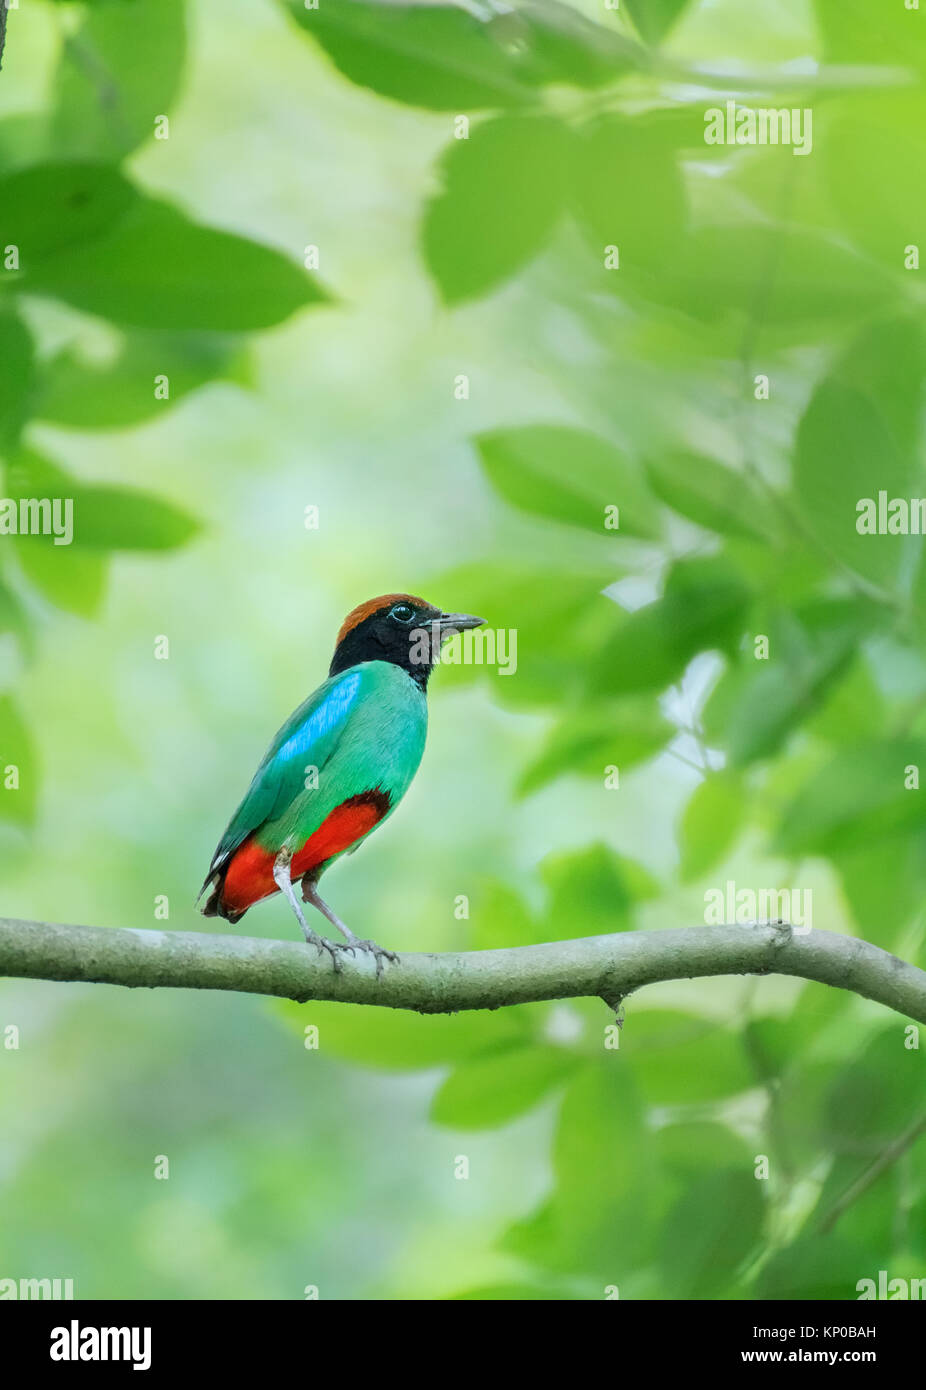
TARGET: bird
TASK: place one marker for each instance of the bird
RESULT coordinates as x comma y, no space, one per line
337,769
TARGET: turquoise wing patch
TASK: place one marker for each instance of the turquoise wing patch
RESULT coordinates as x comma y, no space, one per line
308,738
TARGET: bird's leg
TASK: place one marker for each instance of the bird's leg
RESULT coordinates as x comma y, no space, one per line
310,894
281,874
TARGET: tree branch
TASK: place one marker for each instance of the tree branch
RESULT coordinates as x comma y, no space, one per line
607,966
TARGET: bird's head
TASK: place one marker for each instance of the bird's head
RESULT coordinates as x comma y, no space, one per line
401,628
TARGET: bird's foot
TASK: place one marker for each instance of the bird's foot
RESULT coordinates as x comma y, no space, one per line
321,944
352,943
379,953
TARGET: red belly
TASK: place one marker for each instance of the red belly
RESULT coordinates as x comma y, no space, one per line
249,875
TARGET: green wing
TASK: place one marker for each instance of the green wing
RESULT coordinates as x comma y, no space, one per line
308,738
362,729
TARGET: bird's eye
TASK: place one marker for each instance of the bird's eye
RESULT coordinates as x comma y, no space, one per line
403,612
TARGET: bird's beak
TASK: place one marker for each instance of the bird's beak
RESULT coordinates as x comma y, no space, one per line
458,621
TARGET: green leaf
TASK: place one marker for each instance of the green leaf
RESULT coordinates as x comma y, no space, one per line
111,518
654,18
770,1045
876,1096
851,707
816,1267
68,576
593,891
703,608
141,262
50,209
600,1108
121,392
14,619
710,1233
800,1104
689,1148
788,573
883,136
805,277
500,201
497,1086
807,281
874,1216
399,1040
106,100
587,741
558,613
845,453
17,371
104,518
444,58
500,918
628,192
18,767
609,1187
714,818
817,1008
437,56
23,139
680,1059
883,884
754,711
535,1239
515,1293
706,492
855,32
555,43
858,798
568,475
886,362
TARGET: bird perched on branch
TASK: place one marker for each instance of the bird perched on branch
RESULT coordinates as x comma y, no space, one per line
338,767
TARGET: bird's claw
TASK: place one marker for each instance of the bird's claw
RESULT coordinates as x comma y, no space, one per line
321,944
379,953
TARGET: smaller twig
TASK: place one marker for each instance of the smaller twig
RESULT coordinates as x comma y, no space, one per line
872,1173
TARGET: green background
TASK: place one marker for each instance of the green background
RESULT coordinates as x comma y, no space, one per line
589,1168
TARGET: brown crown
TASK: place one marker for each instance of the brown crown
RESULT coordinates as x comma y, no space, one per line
373,605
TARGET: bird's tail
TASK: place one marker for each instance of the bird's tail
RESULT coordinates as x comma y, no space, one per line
215,906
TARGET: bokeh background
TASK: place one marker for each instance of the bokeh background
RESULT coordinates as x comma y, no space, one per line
461,386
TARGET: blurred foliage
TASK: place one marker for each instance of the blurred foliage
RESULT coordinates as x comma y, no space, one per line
737,267
81,232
